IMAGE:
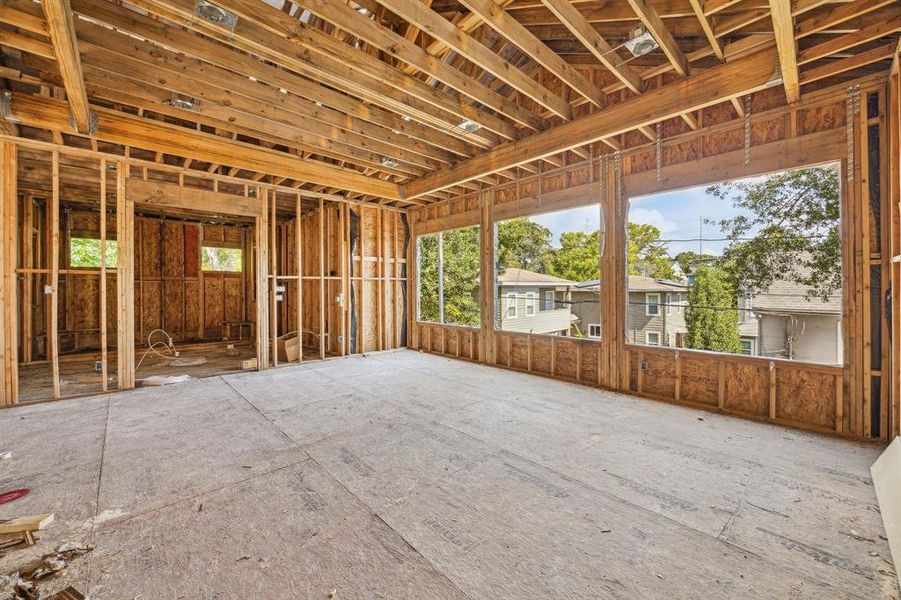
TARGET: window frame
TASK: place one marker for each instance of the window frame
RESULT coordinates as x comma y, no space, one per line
648,305
553,300
531,304
593,325
510,301
647,338
752,346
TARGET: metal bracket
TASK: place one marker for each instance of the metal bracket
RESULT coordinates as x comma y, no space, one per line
92,123
6,109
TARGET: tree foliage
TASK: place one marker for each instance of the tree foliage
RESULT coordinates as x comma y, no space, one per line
85,252
647,253
460,276
577,258
523,244
792,231
689,260
711,321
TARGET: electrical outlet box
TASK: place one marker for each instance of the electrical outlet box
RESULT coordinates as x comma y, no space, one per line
340,338
280,289
48,289
98,365
279,297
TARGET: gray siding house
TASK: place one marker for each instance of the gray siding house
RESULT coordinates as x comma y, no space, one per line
655,316
791,326
533,302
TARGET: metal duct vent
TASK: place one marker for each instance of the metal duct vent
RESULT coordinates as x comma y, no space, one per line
469,126
641,42
181,103
389,162
215,14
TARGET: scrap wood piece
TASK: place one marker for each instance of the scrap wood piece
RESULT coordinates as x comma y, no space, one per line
27,523
21,529
70,593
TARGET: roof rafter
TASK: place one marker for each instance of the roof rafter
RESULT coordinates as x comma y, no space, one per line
61,25
585,33
440,28
648,15
784,29
498,19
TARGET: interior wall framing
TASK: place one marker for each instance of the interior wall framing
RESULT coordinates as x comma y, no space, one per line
341,274
826,126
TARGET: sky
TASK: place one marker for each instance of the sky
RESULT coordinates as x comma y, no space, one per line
675,214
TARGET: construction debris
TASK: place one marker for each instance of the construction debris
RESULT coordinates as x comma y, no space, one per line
21,529
21,584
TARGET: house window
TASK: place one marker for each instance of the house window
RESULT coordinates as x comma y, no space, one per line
223,260
653,338
669,303
549,303
748,347
510,307
594,330
85,253
652,304
531,304
681,308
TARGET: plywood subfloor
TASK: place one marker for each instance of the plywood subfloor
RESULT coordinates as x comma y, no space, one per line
407,475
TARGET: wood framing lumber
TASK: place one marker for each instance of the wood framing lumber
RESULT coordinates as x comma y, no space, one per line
27,523
135,131
440,28
363,27
784,30
498,19
331,61
719,84
9,316
648,15
172,195
61,24
586,34
715,44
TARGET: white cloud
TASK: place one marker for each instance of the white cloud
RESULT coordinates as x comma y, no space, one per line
645,216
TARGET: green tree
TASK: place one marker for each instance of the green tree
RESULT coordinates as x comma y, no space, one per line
791,231
647,254
428,277
711,321
577,258
523,244
459,275
689,260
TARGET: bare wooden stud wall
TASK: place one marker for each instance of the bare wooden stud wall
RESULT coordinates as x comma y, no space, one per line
9,369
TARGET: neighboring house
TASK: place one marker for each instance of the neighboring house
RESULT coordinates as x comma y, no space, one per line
791,326
533,302
656,311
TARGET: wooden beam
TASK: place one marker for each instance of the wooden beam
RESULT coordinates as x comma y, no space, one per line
648,15
333,62
719,84
144,133
55,240
125,295
61,25
9,317
784,30
440,28
498,19
586,34
715,45
882,28
361,26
